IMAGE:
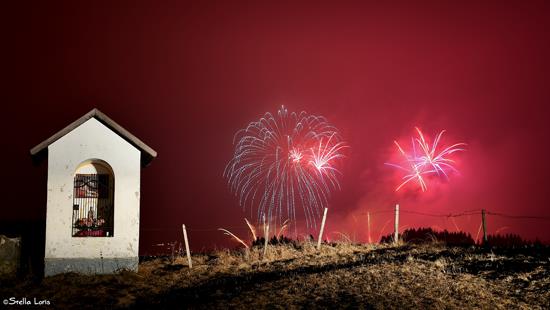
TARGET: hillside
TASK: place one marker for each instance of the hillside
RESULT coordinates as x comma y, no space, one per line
430,276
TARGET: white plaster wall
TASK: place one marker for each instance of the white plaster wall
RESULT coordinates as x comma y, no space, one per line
92,140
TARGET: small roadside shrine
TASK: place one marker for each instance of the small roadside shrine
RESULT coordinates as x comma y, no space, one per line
92,218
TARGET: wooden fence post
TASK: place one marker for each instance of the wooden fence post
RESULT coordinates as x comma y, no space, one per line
187,246
396,227
368,226
322,228
266,237
483,223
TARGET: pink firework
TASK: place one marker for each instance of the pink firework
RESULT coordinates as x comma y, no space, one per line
426,160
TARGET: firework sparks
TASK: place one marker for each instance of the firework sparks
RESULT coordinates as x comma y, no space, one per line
239,240
252,229
426,160
285,161
283,228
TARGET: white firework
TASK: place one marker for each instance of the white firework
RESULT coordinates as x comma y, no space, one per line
285,161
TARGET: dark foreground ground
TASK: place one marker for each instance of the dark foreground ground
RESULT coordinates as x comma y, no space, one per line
341,275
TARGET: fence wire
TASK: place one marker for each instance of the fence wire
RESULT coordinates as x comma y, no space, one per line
405,211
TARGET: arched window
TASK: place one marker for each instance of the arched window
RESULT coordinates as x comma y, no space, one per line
93,200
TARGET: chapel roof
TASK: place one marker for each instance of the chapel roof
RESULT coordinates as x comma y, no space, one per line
147,153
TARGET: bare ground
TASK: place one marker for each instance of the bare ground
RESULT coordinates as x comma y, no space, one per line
340,275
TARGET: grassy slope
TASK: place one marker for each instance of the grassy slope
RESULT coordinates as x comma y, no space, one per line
428,276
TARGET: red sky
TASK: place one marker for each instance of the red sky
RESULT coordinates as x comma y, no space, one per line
185,77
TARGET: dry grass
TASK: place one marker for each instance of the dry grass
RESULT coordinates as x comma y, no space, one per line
339,275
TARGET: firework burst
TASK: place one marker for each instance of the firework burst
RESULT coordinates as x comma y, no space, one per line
285,161
426,160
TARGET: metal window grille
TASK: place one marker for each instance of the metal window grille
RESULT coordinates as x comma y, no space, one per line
93,205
